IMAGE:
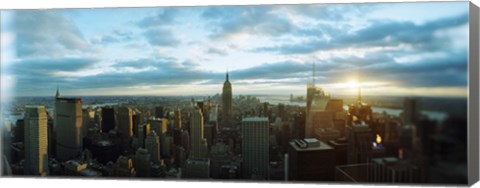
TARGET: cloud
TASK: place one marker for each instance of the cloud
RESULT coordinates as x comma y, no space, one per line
427,72
165,16
43,67
254,20
46,32
161,37
277,70
114,37
36,75
378,33
217,51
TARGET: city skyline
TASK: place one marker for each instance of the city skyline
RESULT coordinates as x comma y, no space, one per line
266,49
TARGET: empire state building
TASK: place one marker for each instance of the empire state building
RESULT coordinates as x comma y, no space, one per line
227,111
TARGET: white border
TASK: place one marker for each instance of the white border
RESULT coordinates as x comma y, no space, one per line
47,4
72,183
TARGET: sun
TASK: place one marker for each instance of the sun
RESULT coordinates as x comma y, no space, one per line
352,84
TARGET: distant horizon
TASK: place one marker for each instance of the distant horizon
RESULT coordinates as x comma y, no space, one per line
255,95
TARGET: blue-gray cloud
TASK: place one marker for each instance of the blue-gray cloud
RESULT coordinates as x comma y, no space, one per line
256,20
161,36
46,32
164,17
380,33
34,75
217,51
114,37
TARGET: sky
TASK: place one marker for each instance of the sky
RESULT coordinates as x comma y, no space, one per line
391,49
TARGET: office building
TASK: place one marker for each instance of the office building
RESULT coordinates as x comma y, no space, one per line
125,126
7,139
36,141
159,112
142,163
410,111
220,155
166,145
178,120
196,168
213,116
108,119
124,167
68,126
360,138
152,144
143,131
317,116
210,133
87,120
393,170
340,146
199,147
255,147
310,160
137,119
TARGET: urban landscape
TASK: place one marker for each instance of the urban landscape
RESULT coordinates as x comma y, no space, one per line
387,115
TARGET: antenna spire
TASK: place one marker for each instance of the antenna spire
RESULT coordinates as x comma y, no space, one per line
359,90
227,75
57,95
313,73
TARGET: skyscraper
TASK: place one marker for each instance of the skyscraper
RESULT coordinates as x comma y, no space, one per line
227,109
410,111
108,119
152,144
310,160
125,125
198,164
142,163
68,126
197,140
255,134
36,141
124,167
178,119
317,116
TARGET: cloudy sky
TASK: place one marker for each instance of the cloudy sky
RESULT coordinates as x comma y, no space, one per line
399,49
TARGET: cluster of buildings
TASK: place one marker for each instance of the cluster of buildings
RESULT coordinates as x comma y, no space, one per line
322,141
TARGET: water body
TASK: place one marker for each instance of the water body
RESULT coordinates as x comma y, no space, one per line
433,115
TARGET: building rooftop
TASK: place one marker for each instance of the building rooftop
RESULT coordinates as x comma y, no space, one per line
313,144
64,99
255,119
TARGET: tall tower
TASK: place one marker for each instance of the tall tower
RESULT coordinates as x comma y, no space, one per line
152,144
227,110
125,125
68,127
310,91
36,141
197,140
255,135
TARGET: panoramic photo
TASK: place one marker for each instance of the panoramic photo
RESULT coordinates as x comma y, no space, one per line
308,93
